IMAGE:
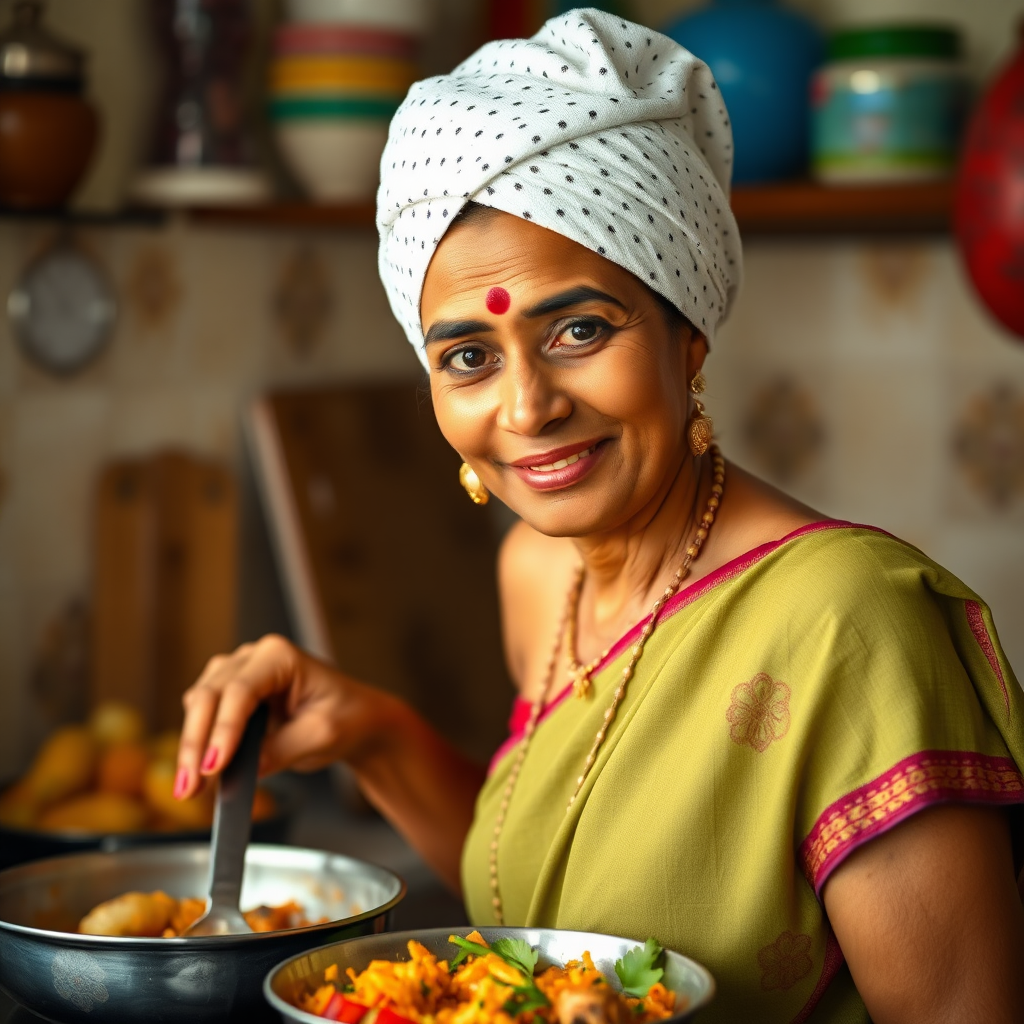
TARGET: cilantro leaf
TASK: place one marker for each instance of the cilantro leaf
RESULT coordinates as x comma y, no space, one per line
636,969
519,953
525,998
516,953
466,948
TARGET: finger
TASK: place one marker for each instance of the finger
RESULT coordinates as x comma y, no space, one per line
200,711
200,702
305,743
272,668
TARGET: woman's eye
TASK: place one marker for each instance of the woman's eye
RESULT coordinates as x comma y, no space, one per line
582,332
468,359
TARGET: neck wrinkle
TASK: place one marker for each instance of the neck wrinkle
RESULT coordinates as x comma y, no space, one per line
622,570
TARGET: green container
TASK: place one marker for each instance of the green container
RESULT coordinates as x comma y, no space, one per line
889,106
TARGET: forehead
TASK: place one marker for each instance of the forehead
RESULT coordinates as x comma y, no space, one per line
499,250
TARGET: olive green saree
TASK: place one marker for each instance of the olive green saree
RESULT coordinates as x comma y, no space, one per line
797,703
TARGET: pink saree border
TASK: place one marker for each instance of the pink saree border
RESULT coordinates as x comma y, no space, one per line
833,961
918,781
686,596
976,620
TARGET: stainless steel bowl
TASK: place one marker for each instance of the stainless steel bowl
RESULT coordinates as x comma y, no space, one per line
71,978
693,985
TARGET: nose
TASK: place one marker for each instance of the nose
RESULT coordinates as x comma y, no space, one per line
531,399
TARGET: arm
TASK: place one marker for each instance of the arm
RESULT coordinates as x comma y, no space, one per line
930,921
406,769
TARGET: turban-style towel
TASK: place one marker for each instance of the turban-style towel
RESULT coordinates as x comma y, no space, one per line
602,130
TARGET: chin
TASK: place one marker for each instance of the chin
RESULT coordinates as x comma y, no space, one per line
565,514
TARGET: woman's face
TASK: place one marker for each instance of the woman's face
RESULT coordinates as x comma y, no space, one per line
555,375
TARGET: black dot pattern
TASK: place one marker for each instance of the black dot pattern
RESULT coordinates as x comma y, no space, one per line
597,128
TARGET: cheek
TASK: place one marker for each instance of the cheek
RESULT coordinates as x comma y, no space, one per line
460,419
642,393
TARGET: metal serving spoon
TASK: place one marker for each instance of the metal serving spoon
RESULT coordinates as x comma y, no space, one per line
232,823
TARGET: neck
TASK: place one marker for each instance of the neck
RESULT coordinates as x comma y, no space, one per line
627,568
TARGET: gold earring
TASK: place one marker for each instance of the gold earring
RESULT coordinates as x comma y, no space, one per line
701,427
473,486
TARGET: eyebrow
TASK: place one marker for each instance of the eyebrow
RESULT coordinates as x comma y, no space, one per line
572,297
448,330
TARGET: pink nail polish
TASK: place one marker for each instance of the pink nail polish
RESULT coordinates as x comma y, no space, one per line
209,759
180,783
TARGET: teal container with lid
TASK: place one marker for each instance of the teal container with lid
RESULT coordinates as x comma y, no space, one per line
889,105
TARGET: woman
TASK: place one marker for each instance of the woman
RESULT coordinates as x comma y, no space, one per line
784,745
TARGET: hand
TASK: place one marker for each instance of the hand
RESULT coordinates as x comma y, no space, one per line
318,715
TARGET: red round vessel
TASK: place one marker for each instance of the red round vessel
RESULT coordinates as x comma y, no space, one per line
989,209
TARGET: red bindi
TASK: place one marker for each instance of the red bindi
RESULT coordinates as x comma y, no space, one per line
498,300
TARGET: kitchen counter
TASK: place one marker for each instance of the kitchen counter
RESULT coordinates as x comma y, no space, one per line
325,822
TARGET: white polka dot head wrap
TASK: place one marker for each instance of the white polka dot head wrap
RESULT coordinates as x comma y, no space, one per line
602,130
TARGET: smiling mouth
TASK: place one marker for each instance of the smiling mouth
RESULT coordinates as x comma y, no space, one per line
562,463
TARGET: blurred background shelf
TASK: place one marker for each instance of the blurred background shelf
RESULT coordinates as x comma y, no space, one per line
787,208
289,214
804,207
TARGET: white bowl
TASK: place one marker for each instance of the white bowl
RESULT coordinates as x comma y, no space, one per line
412,17
335,160
201,186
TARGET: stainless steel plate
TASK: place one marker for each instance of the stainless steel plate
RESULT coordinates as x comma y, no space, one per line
75,978
693,985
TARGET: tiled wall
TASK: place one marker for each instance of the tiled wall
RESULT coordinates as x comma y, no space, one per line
208,319
865,378
861,375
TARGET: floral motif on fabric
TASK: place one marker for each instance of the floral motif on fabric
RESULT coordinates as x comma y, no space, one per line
918,781
759,712
785,961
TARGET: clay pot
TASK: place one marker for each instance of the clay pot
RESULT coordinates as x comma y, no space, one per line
989,213
46,140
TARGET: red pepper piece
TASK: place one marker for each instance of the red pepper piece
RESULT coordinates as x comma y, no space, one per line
348,1011
388,1016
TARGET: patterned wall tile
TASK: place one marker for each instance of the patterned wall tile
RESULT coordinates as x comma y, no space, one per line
786,305
304,300
228,327
890,300
151,293
988,445
784,429
772,417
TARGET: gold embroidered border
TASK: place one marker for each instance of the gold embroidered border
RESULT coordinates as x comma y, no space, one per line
915,782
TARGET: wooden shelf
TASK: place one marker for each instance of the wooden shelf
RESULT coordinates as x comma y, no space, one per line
293,214
787,208
805,207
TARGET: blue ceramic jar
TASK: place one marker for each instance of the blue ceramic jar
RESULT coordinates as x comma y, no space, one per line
763,57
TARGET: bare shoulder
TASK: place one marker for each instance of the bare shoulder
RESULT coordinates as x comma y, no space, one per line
534,572
753,512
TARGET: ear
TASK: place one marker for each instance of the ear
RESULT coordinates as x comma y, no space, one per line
696,349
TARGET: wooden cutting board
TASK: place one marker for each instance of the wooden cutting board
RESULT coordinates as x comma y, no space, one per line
389,569
164,592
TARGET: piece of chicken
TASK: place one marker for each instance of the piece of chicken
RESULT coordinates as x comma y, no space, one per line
599,1004
133,914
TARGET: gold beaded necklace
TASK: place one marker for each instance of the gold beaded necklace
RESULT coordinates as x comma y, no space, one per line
579,672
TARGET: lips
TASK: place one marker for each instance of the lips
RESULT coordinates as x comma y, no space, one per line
559,467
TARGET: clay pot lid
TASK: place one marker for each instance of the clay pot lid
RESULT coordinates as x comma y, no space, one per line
32,55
